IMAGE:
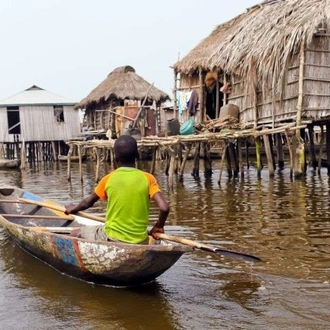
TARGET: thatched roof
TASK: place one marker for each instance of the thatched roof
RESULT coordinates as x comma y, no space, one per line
123,83
265,36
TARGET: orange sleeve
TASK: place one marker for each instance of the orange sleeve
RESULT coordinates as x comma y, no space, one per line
100,188
153,185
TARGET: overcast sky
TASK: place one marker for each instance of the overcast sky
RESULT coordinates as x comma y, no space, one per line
68,46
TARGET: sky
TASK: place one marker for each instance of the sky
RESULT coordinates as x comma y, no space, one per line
68,47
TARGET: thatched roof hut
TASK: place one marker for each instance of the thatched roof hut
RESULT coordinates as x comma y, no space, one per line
123,83
114,104
276,55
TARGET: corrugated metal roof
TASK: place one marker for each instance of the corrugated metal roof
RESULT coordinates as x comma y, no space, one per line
36,96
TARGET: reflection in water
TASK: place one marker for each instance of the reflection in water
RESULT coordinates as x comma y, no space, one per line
283,221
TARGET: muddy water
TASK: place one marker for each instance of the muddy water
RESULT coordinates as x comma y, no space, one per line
284,222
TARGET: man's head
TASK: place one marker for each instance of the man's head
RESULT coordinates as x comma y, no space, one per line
125,149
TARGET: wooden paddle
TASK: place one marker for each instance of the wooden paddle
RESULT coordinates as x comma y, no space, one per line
204,247
60,208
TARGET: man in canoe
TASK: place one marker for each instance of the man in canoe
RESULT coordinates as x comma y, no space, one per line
128,191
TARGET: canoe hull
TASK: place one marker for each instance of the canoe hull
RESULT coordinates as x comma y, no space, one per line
110,263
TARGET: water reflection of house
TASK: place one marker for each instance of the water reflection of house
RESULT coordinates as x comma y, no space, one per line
39,118
116,104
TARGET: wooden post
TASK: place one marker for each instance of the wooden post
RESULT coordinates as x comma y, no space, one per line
312,146
98,161
207,159
175,108
321,150
195,171
23,156
171,168
201,98
279,150
217,101
184,161
69,162
269,155
258,155
80,163
327,132
301,87
240,157
288,141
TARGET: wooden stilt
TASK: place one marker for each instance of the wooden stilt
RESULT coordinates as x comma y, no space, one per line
184,161
207,160
98,161
269,156
321,150
327,132
80,163
258,155
69,162
171,168
240,157
288,141
312,147
279,150
233,159
195,171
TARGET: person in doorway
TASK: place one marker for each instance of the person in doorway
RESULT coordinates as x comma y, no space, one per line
128,191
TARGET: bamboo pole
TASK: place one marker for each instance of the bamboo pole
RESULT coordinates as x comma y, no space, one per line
312,146
240,157
98,161
217,96
184,161
195,171
80,163
321,150
327,132
171,168
207,159
175,100
258,155
279,150
201,92
69,162
288,141
269,156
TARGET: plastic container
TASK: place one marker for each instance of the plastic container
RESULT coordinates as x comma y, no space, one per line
188,127
173,127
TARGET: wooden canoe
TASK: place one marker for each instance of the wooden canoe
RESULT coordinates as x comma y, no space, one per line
44,233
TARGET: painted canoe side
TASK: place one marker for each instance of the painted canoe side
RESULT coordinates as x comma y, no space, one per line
110,263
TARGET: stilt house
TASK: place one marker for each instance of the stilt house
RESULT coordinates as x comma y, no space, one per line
123,101
40,119
274,61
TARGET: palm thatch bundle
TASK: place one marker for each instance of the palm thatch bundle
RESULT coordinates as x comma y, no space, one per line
123,83
262,40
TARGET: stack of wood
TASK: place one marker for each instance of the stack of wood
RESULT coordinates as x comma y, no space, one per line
216,125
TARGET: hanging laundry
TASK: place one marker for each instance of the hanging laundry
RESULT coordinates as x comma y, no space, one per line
182,100
192,104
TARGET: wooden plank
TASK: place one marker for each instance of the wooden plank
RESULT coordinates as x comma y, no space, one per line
31,216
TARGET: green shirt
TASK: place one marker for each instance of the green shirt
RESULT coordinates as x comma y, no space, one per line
128,191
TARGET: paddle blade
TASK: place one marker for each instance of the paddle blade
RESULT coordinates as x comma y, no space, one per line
236,255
